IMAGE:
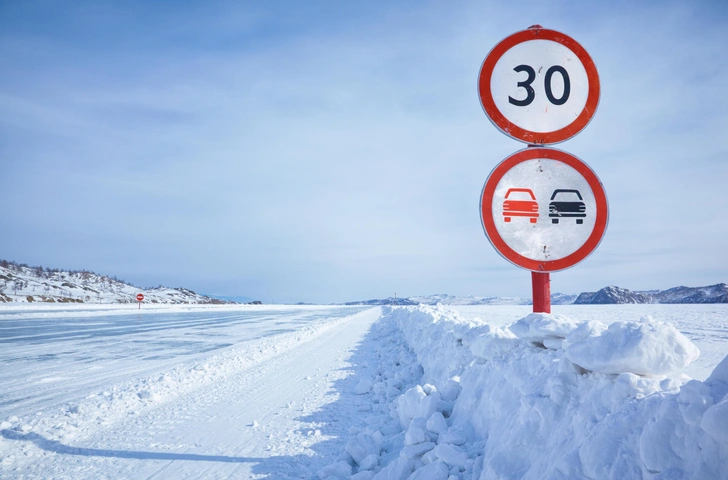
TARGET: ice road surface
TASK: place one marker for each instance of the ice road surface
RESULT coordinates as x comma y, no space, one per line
488,392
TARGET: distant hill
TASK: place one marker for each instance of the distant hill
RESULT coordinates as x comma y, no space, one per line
613,295
384,301
607,295
561,299
469,300
22,283
233,298
711,294
445,299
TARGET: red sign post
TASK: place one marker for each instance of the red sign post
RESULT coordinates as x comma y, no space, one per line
140,298
542,209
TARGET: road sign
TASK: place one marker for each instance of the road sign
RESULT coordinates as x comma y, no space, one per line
539,86
140,297
543,209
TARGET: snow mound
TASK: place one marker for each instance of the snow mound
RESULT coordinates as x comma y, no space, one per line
538,327
548,397
493,342
720,373
645,348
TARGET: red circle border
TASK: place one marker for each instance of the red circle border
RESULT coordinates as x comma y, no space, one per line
486,209
511,129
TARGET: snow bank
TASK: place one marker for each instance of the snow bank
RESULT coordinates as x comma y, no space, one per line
645,348
548,397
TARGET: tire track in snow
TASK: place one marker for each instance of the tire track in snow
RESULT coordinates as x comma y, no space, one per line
272,396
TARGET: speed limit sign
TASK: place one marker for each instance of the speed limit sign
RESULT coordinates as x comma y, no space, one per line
539,86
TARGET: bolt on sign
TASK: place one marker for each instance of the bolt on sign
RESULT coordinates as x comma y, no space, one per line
542,209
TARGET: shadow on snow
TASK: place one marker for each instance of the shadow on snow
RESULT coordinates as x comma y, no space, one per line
57,447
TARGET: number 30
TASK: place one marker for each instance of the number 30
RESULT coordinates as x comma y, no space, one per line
530,94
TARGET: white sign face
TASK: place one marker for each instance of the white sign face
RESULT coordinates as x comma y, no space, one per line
545,232
540,86
544,209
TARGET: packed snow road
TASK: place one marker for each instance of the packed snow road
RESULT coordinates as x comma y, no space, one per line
52,357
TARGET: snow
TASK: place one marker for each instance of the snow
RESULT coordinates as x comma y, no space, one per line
645,348
537,327
720,374
436,423
541,416
416,392
703,324
65,355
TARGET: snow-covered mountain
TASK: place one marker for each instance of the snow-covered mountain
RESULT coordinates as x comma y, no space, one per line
233,298
384,301
446,299
711,294
21,283
561,299
607,295
612,294
469,300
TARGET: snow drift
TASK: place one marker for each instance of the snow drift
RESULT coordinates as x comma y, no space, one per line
547,398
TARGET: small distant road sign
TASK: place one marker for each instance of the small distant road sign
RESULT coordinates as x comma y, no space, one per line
140,297
544,209
539,86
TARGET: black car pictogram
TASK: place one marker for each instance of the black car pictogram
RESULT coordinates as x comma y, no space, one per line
567,206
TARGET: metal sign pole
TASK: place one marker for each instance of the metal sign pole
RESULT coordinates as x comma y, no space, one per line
541,288
540,282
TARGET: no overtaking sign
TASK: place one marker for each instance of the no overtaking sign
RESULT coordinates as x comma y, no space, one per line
544,209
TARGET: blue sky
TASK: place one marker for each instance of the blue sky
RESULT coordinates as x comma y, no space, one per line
335,151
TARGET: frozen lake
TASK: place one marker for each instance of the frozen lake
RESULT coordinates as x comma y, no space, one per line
53,356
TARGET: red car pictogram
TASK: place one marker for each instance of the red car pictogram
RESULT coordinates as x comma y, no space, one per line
520,208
